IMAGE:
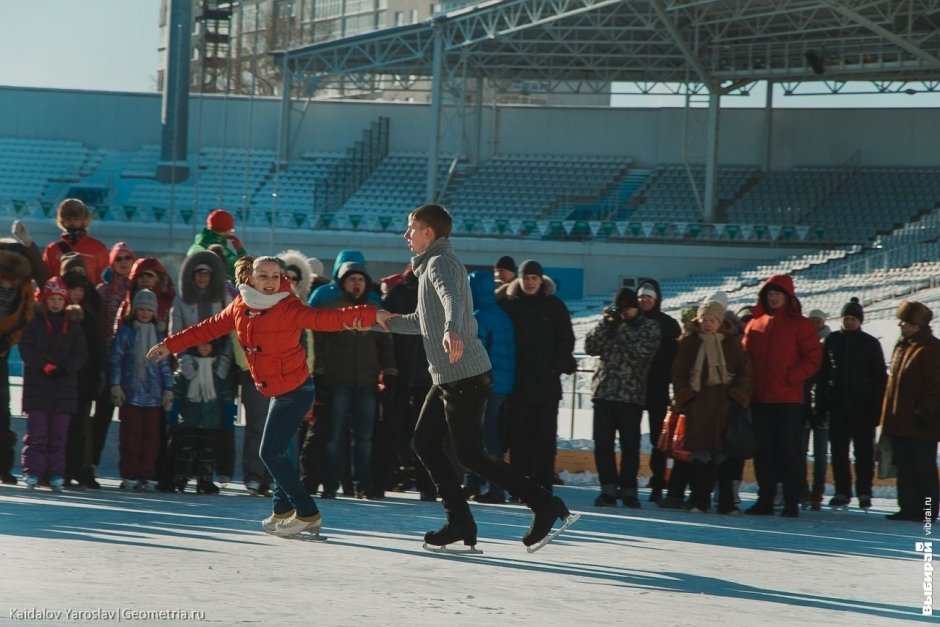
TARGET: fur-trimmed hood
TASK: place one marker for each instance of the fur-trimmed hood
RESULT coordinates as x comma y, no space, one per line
514,287
215,292
14,264
302,263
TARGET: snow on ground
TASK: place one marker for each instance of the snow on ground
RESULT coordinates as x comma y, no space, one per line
117,551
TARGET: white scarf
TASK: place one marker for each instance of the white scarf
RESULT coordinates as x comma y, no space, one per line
145,336
259,300
202,387
710,352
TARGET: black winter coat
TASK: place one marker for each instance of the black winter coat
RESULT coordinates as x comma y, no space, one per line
544,342
53,339
410,358
850,385
660,372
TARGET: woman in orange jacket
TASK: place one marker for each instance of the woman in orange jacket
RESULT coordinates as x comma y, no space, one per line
267,319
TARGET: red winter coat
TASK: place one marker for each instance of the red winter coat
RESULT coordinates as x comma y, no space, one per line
784,348
93,251
271,337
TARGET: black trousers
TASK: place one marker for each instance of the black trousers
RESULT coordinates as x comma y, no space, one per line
844,430
918,485
533,432
456,409
656,413
779,431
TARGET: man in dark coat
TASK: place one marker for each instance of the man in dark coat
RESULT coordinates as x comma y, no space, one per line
849,389
544,347
911,413
657,383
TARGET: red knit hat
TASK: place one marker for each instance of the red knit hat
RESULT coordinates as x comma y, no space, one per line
117,249
220,221
55,287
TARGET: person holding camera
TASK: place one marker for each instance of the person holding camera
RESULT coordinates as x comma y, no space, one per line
625,341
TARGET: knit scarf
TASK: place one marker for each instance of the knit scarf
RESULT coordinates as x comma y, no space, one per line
202,387
259,300
145,336
709,352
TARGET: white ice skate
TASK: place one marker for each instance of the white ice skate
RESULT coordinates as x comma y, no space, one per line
570,520
300,527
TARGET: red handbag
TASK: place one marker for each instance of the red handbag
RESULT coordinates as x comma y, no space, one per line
672,437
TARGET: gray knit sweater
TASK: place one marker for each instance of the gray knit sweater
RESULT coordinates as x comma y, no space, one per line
444,304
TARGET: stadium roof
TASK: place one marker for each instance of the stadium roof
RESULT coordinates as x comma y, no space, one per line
718,43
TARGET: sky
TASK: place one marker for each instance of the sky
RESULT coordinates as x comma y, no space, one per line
112,45
106,45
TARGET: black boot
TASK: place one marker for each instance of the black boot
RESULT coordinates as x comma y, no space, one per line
460,527
546,509
7,444
726,487
703,480
87,478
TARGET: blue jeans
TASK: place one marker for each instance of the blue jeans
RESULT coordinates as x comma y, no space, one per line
279,449
492,442
350,406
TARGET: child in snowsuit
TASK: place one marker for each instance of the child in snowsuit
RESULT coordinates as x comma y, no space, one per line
141,390
53,350
203,401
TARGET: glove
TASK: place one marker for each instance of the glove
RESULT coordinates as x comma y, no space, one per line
21,233
51,370
236,243
167,400
117,396
188,367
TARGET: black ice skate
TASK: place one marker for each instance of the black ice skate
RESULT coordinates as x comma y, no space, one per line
458,528
545,512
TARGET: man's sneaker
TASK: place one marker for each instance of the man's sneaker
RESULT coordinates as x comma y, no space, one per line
631,501
56,483
87,478
269,524
296,525
839,501
605,500
864,502
31,482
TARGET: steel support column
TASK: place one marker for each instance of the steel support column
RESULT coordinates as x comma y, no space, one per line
711,157
434,146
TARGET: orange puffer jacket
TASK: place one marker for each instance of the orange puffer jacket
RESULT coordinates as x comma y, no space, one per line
271,337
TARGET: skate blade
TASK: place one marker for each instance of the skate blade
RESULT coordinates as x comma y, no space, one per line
570,520
307,536
470,550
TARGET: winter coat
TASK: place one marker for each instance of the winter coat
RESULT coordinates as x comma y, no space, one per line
185,310
93,251
330,291
495,330
707,410
657,383
92,375
15,267
783,347
911,407
206,238
164,290
851,382
271,337
203,414
626,350
544,341
353,357
410,358
112,293
146,392
55,339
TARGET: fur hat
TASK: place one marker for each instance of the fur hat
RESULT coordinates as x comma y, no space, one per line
72,208
531,266
55,287
916,313
14,265
220,221
626,299
853,308
72,262
145,299
506,263
712,306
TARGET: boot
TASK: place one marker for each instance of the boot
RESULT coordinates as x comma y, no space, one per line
546,509
460,527
703,479
816,500
725,473
7,444
87,478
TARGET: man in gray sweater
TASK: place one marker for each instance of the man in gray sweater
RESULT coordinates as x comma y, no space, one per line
461,377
